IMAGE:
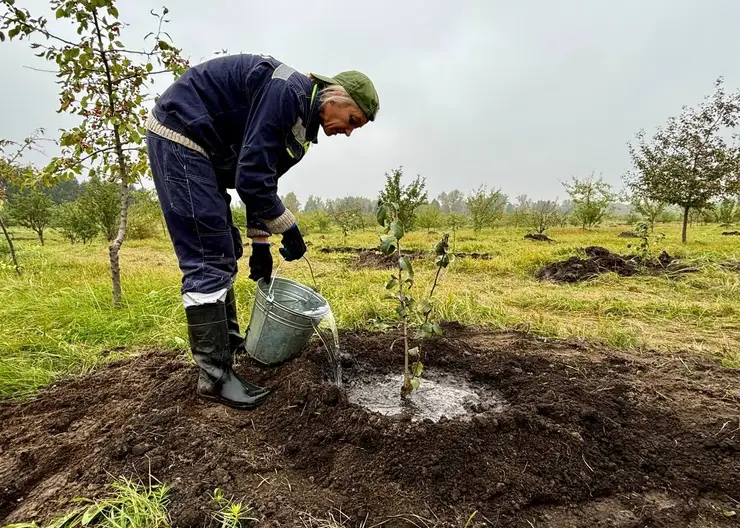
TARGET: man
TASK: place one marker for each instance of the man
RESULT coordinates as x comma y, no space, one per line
238,122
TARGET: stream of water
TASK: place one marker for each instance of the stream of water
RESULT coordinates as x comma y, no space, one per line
326,329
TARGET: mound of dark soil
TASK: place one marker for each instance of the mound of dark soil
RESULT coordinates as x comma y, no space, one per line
373,258
731,233
539,237
586,438
600,260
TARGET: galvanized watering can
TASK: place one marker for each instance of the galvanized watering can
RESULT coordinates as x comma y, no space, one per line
284,316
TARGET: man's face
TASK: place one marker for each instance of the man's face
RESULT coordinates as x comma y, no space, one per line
341,119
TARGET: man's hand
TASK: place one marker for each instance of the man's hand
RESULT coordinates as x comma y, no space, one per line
293,245
260,261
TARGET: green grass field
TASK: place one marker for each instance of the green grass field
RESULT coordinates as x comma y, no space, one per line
57,317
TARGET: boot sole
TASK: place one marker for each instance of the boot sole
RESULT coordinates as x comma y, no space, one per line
229,403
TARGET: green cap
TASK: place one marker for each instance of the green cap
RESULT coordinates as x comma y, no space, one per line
359,87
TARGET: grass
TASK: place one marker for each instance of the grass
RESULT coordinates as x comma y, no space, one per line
56,319
129,505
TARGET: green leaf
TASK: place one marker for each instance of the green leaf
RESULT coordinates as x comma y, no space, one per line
381,215
2,36
14,32
414,352
397,230
401,312
163,45
417,368
405,264
425,307
436,328
415,382
149,66
729,513
60,13
387,244
91,513
391,283
113,11
426,330
410,303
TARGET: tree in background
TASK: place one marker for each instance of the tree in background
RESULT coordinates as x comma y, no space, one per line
104,83
347,216
31,209
455,221
485,207
74,223
542,214
590,198
453,202
145,215
429,216
313,204
290,201
100,200
727,212
688,162
408,198
650,210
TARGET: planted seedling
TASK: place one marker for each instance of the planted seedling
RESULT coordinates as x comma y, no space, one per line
401,282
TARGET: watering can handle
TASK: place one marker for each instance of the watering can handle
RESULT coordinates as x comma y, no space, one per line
272,280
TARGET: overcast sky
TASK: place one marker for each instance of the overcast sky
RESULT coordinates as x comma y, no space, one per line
515,95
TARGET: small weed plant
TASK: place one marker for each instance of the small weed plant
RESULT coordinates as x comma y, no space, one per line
401,282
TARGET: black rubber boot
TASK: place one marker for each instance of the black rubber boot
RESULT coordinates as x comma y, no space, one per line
237,343
209,341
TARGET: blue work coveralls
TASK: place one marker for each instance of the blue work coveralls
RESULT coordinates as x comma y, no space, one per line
233,122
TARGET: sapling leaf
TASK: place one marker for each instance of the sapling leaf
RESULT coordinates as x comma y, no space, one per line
436,328
392,283
425,307
417,368
410,303
397,229
382,214
387,244
414,352
415,382
427,329
400,311
405,264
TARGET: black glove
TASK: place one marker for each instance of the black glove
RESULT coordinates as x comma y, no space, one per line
260,261
293,245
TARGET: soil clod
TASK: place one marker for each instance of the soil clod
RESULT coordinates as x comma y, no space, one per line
540,237
600,260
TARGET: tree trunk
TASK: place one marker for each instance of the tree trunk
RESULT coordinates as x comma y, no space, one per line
685,223
115,268
10,244
40,233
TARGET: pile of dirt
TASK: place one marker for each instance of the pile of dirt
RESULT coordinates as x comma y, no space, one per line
540,237
374,259
731,233
600,260
586,438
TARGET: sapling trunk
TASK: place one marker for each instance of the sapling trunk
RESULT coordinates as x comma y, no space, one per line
406,387
685,223
10,245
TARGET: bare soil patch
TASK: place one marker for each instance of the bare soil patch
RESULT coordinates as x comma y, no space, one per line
587,437
540,237
374,259
600,260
